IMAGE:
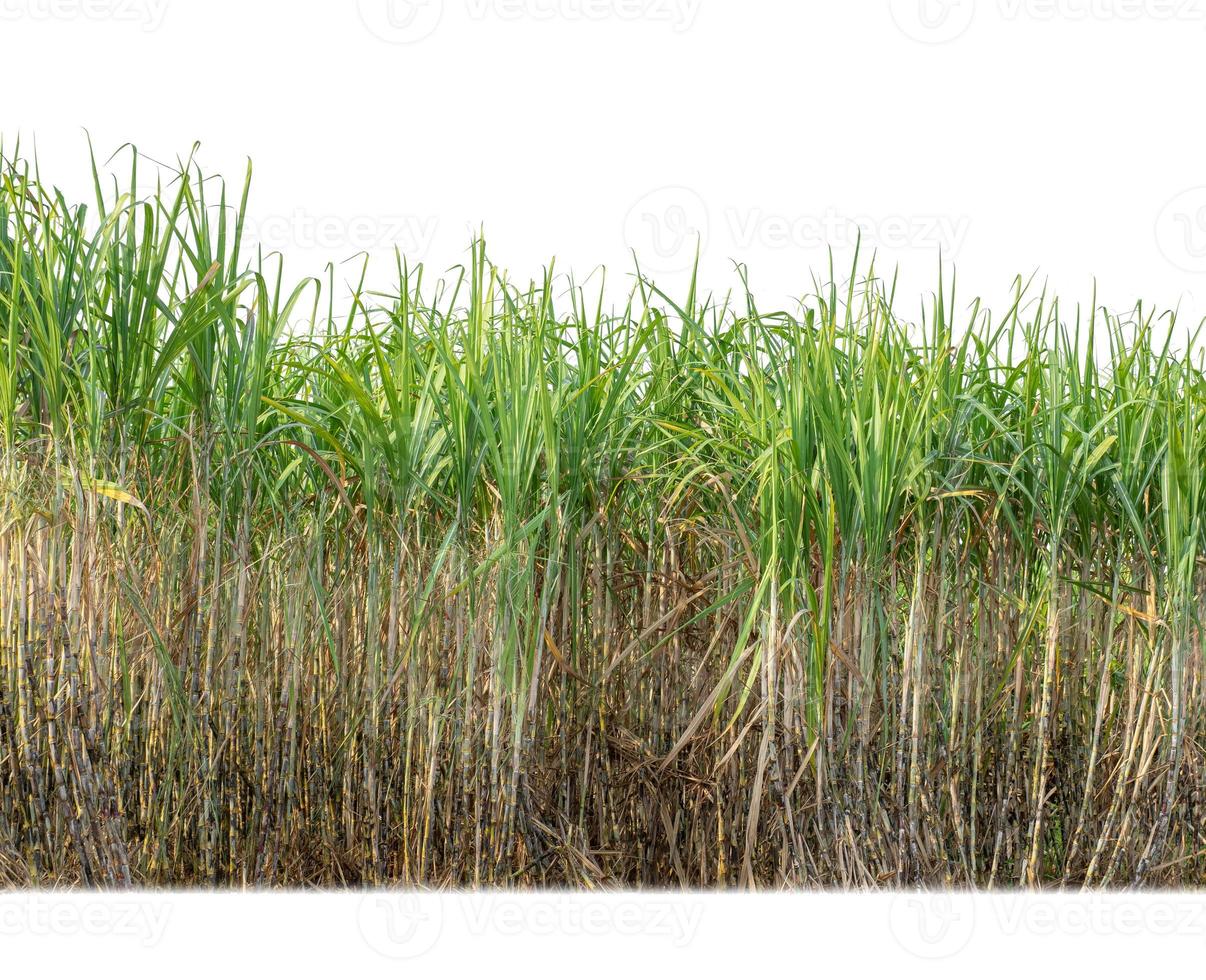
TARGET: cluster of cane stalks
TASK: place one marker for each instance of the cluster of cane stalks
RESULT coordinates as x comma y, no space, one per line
473,582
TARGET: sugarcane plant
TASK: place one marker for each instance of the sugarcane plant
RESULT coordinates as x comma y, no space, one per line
391,576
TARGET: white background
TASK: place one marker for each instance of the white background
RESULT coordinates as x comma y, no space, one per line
1062,137
1058,137
503,935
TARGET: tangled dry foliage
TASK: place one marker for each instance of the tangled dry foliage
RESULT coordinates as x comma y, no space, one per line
478,584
